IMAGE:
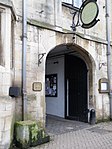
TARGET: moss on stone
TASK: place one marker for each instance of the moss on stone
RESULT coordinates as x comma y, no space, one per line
29,133
40,124
25,123
103,120
34,132
22,135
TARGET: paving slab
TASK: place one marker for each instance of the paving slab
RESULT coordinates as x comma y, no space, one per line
69,134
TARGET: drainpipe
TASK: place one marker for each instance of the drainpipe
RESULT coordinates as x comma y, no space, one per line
107,4
24,38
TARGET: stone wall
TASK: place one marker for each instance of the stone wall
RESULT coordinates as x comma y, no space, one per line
48,26
7,110
7,104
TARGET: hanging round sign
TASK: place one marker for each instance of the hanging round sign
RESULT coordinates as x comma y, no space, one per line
88,13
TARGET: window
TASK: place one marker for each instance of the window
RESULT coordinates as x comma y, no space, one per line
67,1
12,43
1,40
75,3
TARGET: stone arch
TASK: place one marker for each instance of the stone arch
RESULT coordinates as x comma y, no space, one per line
83,54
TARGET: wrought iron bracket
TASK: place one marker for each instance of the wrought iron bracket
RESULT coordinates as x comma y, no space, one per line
40,57
75,23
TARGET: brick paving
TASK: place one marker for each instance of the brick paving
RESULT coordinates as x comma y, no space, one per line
67,134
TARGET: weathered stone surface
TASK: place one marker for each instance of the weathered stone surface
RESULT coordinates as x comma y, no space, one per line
22,135
48,27
29,133
6,121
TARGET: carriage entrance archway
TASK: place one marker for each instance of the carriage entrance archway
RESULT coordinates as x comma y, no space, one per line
68,82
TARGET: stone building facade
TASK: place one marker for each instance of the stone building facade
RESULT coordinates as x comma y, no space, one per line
53,51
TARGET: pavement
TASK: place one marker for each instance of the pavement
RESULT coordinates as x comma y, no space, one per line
69,134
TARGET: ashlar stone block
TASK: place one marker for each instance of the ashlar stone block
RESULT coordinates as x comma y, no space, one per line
29,133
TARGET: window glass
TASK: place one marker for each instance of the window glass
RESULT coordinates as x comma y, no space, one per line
75,3
67,1
12,40
1,42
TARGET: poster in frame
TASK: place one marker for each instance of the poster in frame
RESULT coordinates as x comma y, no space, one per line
51,85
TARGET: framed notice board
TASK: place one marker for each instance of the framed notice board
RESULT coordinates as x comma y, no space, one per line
51,85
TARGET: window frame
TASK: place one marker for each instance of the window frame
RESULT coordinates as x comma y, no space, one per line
71,5
2,60
12,43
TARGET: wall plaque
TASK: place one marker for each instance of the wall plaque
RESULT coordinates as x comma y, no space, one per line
103,85
37,86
